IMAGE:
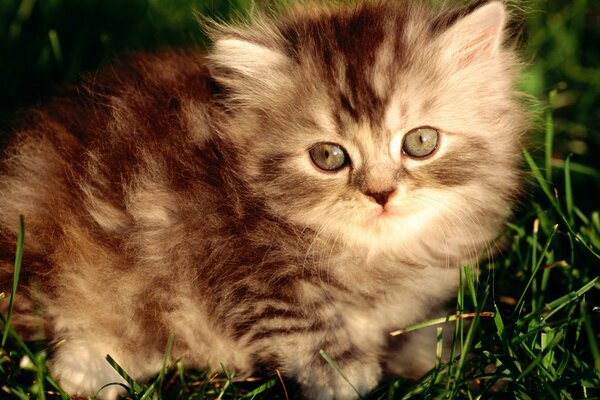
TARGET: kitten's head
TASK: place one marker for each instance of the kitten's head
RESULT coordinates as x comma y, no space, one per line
380,124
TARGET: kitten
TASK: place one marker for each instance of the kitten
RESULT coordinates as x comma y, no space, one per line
313,182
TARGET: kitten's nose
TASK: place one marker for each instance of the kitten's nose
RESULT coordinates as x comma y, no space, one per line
380,197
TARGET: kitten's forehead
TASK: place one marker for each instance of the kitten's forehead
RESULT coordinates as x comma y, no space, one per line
351,50
362,56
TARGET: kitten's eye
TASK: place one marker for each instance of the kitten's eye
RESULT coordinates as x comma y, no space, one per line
328,156
420,142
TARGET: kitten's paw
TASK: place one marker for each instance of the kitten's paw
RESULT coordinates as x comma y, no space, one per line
415,353
325,383
81,370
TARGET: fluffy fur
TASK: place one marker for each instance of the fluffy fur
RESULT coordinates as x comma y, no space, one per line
175,194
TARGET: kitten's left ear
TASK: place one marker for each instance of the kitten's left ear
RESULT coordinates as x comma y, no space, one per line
476,36
244,61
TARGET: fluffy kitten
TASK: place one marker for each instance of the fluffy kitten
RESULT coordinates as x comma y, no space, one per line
312,183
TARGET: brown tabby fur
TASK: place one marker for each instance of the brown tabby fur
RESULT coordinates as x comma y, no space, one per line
173,194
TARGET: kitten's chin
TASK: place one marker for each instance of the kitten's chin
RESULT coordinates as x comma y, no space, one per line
392,224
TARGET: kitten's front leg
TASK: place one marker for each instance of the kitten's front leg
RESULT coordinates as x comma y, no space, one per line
321,381
414,353
82,370
301,359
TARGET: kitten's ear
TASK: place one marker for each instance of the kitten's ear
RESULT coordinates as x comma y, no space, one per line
239,60
477,35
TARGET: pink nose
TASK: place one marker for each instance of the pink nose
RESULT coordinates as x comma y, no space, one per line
380,198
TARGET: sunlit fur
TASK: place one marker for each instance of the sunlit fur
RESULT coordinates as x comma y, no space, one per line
175,194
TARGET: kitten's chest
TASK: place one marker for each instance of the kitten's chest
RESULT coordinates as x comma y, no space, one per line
407,301
379,294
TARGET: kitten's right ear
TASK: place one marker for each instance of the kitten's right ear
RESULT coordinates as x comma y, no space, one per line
477,35
242,61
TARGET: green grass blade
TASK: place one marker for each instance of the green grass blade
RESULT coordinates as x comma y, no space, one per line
132,383
464,351
470,284
56,48
534,262
537,174
166,361
569,191
591,336
17,272
441,320
538,359
261,389
577,168
95,396
549,142
562,301
520,302
150,391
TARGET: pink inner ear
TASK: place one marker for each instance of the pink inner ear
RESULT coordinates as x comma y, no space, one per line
483,45
477,35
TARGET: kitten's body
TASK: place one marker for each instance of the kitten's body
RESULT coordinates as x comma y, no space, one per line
175,195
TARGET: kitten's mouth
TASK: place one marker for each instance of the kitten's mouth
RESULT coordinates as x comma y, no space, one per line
387,212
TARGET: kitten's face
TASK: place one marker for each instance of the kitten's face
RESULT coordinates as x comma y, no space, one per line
374,127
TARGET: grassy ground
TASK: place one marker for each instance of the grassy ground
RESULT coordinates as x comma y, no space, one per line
534,310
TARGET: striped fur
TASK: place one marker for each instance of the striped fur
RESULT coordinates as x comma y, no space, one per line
174,194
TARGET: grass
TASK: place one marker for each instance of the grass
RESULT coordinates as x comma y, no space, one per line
532,313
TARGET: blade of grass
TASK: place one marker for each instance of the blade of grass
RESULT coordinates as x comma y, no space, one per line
439,331
133,385
181,373
545,339
166,360
228,382
540,356
591,337
282,384
503,337
17,271
540,179
520,302
95,396
262,388
534,258
25,349
458,325
441,320
577,168
464,351
563,301
470,284
40,372
150,391
549,142
23,14
55,45
569,190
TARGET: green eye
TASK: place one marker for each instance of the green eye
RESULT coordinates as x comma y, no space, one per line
420,142
328,156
